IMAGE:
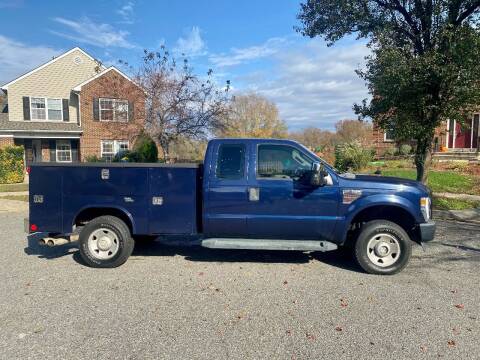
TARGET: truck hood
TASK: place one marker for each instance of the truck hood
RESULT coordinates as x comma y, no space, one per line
387,182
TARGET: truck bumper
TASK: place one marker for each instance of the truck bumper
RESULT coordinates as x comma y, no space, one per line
33,238
427,231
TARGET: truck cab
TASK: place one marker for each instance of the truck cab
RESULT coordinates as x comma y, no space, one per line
248,194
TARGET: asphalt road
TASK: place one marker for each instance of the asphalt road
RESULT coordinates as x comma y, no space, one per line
193,303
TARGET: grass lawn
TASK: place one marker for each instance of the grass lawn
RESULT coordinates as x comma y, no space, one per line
454,204
13,187
440,181
15,197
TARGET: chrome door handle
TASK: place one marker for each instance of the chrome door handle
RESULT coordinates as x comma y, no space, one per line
253,194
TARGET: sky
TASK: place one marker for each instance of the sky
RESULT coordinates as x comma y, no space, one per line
251,43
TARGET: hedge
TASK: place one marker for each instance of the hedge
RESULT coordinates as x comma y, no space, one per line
11,165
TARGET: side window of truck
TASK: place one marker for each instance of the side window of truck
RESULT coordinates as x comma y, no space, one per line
231,162
282,162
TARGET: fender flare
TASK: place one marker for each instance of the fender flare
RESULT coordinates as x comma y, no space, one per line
107,206
371,201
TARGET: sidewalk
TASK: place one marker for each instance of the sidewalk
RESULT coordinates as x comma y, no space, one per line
458,196
13,205
13,193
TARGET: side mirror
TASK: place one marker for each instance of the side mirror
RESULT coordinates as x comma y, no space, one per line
318,174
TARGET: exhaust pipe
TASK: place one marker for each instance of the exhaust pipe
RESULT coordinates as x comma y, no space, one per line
53,241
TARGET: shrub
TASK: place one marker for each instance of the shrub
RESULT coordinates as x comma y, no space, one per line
145,148
11,165
390,151
127,156
352,156
93,158
405,149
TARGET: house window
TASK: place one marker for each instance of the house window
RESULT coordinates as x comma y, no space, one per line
388,135
64,151
37,108
113,110
109,148
54,107
46,109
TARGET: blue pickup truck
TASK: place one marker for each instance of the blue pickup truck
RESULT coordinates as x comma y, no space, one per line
259,194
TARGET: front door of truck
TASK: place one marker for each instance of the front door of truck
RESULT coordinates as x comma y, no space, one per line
286,206
227,202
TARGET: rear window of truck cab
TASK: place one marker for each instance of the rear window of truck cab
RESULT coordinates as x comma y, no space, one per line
231,162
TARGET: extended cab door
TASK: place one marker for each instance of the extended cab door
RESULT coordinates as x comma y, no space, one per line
226,199
286,206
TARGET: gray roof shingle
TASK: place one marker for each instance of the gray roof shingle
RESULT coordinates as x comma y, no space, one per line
6,125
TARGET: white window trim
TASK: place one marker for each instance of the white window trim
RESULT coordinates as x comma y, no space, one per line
113,109
56,150
385,137
116,147
46,109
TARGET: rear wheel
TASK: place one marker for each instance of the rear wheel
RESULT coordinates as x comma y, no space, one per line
382,247
105,242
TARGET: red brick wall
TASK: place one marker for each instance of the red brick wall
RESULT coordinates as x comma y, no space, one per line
378,141
6,141
110,85
381,145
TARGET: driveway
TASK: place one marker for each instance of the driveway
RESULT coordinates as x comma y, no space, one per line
195,303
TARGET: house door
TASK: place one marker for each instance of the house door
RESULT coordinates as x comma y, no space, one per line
476,125
36,150
463,135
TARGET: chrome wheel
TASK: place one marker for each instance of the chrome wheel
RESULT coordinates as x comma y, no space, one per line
103,244
383,250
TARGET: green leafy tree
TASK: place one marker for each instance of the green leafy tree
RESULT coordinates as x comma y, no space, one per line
146,148
424,64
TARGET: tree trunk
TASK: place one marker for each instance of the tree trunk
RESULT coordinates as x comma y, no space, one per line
423,159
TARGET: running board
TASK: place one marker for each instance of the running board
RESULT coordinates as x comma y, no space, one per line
268,244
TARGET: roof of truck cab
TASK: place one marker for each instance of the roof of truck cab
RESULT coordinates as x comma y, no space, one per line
254,140
120,165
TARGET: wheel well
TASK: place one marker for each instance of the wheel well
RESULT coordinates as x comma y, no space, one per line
394,214
89,214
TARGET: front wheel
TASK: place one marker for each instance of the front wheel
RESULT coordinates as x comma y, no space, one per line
105,242
383,248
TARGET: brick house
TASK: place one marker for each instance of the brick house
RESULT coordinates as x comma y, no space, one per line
71,108
450,137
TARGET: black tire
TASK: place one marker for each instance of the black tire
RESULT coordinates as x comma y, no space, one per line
123,237
377,227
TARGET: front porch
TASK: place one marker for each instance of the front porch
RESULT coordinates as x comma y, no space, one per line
58,149
464,137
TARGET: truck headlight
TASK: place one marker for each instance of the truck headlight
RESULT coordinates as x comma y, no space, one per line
425,207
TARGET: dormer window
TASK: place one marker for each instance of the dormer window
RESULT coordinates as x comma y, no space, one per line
37,108
113,110
46,109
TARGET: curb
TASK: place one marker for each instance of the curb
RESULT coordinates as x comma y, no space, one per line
469,216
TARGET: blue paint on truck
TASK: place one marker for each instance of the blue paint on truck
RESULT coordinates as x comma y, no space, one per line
246,189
